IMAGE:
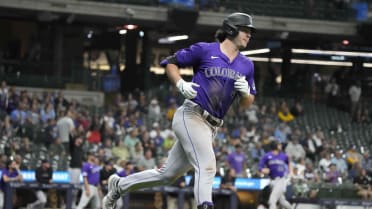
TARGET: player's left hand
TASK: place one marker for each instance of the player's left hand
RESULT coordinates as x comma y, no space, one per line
242,86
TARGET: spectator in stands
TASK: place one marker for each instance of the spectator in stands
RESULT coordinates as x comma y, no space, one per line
43,175
297,109
90,194
108,119
332,90
332,175
4,96
60,102
33,114
94,135
154,113
340,163
362,114
281,133
355,91
237,160
18,115
19,160
136,153
146,162
171,110
66,129
284,114
295,150
132,103
363,185
120,151
47,112
353,156
169,141
127,168
256,152
131,139
318,138
367,162
311,174
13,100
107,170
251,114
50,133
325,162
310,147
10,173
107,146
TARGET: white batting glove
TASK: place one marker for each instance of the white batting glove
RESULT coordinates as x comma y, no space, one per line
242,86
186,88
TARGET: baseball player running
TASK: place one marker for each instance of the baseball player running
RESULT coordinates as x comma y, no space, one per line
90,192
275,164
221,75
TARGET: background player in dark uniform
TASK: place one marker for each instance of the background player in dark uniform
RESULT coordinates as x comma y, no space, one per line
44,175
275,164
222,75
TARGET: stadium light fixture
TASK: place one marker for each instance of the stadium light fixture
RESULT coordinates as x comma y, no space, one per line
329,52
130,27
172,39
256,51
122,31
178,38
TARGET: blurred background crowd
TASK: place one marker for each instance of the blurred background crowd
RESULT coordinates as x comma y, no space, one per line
135,130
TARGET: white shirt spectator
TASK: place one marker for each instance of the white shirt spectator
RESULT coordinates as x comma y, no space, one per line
355,92
295,150
64,126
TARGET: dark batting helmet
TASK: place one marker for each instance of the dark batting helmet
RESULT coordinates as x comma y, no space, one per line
274,144
233,21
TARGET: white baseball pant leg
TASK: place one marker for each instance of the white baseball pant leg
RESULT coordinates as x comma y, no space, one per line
279,186
193,149
93,198
74,179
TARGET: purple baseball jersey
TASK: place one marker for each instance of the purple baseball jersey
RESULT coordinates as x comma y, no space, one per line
8,173
236,161
123,173
215,74
91,172
278,164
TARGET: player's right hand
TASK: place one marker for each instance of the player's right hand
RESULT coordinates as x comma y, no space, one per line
186,88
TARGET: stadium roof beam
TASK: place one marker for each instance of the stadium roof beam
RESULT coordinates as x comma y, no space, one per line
159,14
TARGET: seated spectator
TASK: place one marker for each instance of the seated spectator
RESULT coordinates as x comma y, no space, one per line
297,109
94,134
136,153
363,184
295,150
285,115
340,162
120,151
325,162
353,156
147,162
332,175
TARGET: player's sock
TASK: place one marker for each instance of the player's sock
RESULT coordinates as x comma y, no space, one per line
206,205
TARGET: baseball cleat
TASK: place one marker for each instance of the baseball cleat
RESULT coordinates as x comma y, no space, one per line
113,194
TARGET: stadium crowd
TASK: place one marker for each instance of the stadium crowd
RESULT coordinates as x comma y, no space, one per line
134,133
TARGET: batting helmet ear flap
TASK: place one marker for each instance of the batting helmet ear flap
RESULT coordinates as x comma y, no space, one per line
230,30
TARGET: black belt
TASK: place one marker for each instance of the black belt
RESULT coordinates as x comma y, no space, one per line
208,117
